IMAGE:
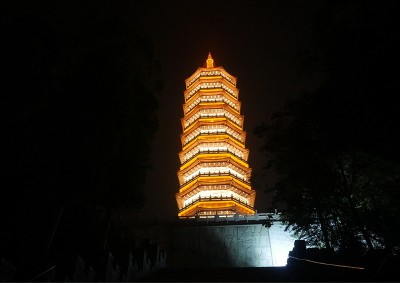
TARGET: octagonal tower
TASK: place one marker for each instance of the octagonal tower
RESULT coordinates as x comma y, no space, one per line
214,176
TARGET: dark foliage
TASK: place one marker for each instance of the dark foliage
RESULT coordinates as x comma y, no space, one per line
336,149
79,84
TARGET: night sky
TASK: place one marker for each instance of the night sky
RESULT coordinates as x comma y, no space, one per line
256,41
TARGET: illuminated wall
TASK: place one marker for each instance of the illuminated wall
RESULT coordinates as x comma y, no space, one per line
214,176
230,245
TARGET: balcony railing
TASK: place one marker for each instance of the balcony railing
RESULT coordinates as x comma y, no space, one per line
212,133
227,115
212,85
207,74
213,152
214,175
212,100
234,217
210,199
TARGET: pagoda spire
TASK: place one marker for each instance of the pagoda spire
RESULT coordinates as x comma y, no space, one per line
210,61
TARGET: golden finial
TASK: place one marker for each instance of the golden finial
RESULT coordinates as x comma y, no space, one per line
210,61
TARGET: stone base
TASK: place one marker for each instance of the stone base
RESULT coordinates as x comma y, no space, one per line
221,245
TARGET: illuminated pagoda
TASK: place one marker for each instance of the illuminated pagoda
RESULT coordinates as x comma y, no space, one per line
214,175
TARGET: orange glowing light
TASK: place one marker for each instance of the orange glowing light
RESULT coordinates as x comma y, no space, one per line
210,61
213,157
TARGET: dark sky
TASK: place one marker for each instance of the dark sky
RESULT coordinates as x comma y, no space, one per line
256,41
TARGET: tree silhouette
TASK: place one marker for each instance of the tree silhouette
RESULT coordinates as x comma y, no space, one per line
336,149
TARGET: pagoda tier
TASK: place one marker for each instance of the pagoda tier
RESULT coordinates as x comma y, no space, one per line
214,176
211,96
205,129
223,145
212,112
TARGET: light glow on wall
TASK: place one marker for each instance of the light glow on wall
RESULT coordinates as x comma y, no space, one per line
281,243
